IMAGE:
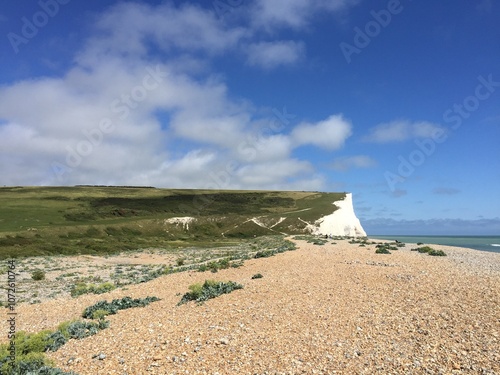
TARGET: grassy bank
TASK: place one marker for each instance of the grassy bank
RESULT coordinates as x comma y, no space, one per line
38,221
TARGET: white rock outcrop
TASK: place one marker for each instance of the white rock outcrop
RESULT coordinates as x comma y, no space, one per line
184,221
342,222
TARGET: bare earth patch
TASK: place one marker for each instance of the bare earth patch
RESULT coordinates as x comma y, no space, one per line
330,309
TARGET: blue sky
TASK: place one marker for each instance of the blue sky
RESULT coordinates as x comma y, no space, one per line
394,101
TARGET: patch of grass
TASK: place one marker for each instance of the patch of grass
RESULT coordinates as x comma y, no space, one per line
437,253
38,275
215,266
180,262
82,288
100,314
264,254
319,242
208,290
430,251
384,248
423,249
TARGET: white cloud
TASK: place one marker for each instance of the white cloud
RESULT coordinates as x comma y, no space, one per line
401,130
270,55
268,174
329,134
259,149
122,31
295,14
346,163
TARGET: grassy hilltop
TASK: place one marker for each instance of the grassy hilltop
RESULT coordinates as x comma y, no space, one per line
102,220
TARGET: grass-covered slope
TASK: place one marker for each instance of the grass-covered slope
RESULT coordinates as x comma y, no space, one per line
93,220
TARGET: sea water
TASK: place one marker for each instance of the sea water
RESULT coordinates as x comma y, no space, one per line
485,243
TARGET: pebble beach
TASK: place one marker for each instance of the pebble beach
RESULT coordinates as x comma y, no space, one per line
336,308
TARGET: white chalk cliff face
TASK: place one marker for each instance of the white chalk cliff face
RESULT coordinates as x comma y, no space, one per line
342,222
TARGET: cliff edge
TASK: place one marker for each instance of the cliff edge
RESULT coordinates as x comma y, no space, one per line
342,222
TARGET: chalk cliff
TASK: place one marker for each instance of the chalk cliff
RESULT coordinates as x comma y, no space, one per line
342,222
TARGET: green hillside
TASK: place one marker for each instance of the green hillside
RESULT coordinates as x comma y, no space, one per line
100,220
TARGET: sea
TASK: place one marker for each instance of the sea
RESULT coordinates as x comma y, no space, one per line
484,243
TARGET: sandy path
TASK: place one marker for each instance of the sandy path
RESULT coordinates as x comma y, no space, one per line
332,309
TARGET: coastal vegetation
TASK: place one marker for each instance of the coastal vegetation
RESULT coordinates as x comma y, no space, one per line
208,290
75,276
430,251
30,348
111,308
83,288
93,220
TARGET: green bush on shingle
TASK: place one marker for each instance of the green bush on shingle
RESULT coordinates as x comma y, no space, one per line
117,304
209,289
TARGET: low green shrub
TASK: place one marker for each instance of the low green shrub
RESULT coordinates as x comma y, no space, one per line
319,242
430,251
82,288
383,248
203,268
30,359
437,253
80,330
237,264
424,249
38,275
215,266
100,314
209,289
30,364
257,276
115,305
180,262
57,339
28,343
264,254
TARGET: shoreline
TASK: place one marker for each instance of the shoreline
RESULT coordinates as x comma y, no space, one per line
469,259
448,240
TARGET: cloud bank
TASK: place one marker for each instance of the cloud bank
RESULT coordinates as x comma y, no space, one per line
142,105
402,130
